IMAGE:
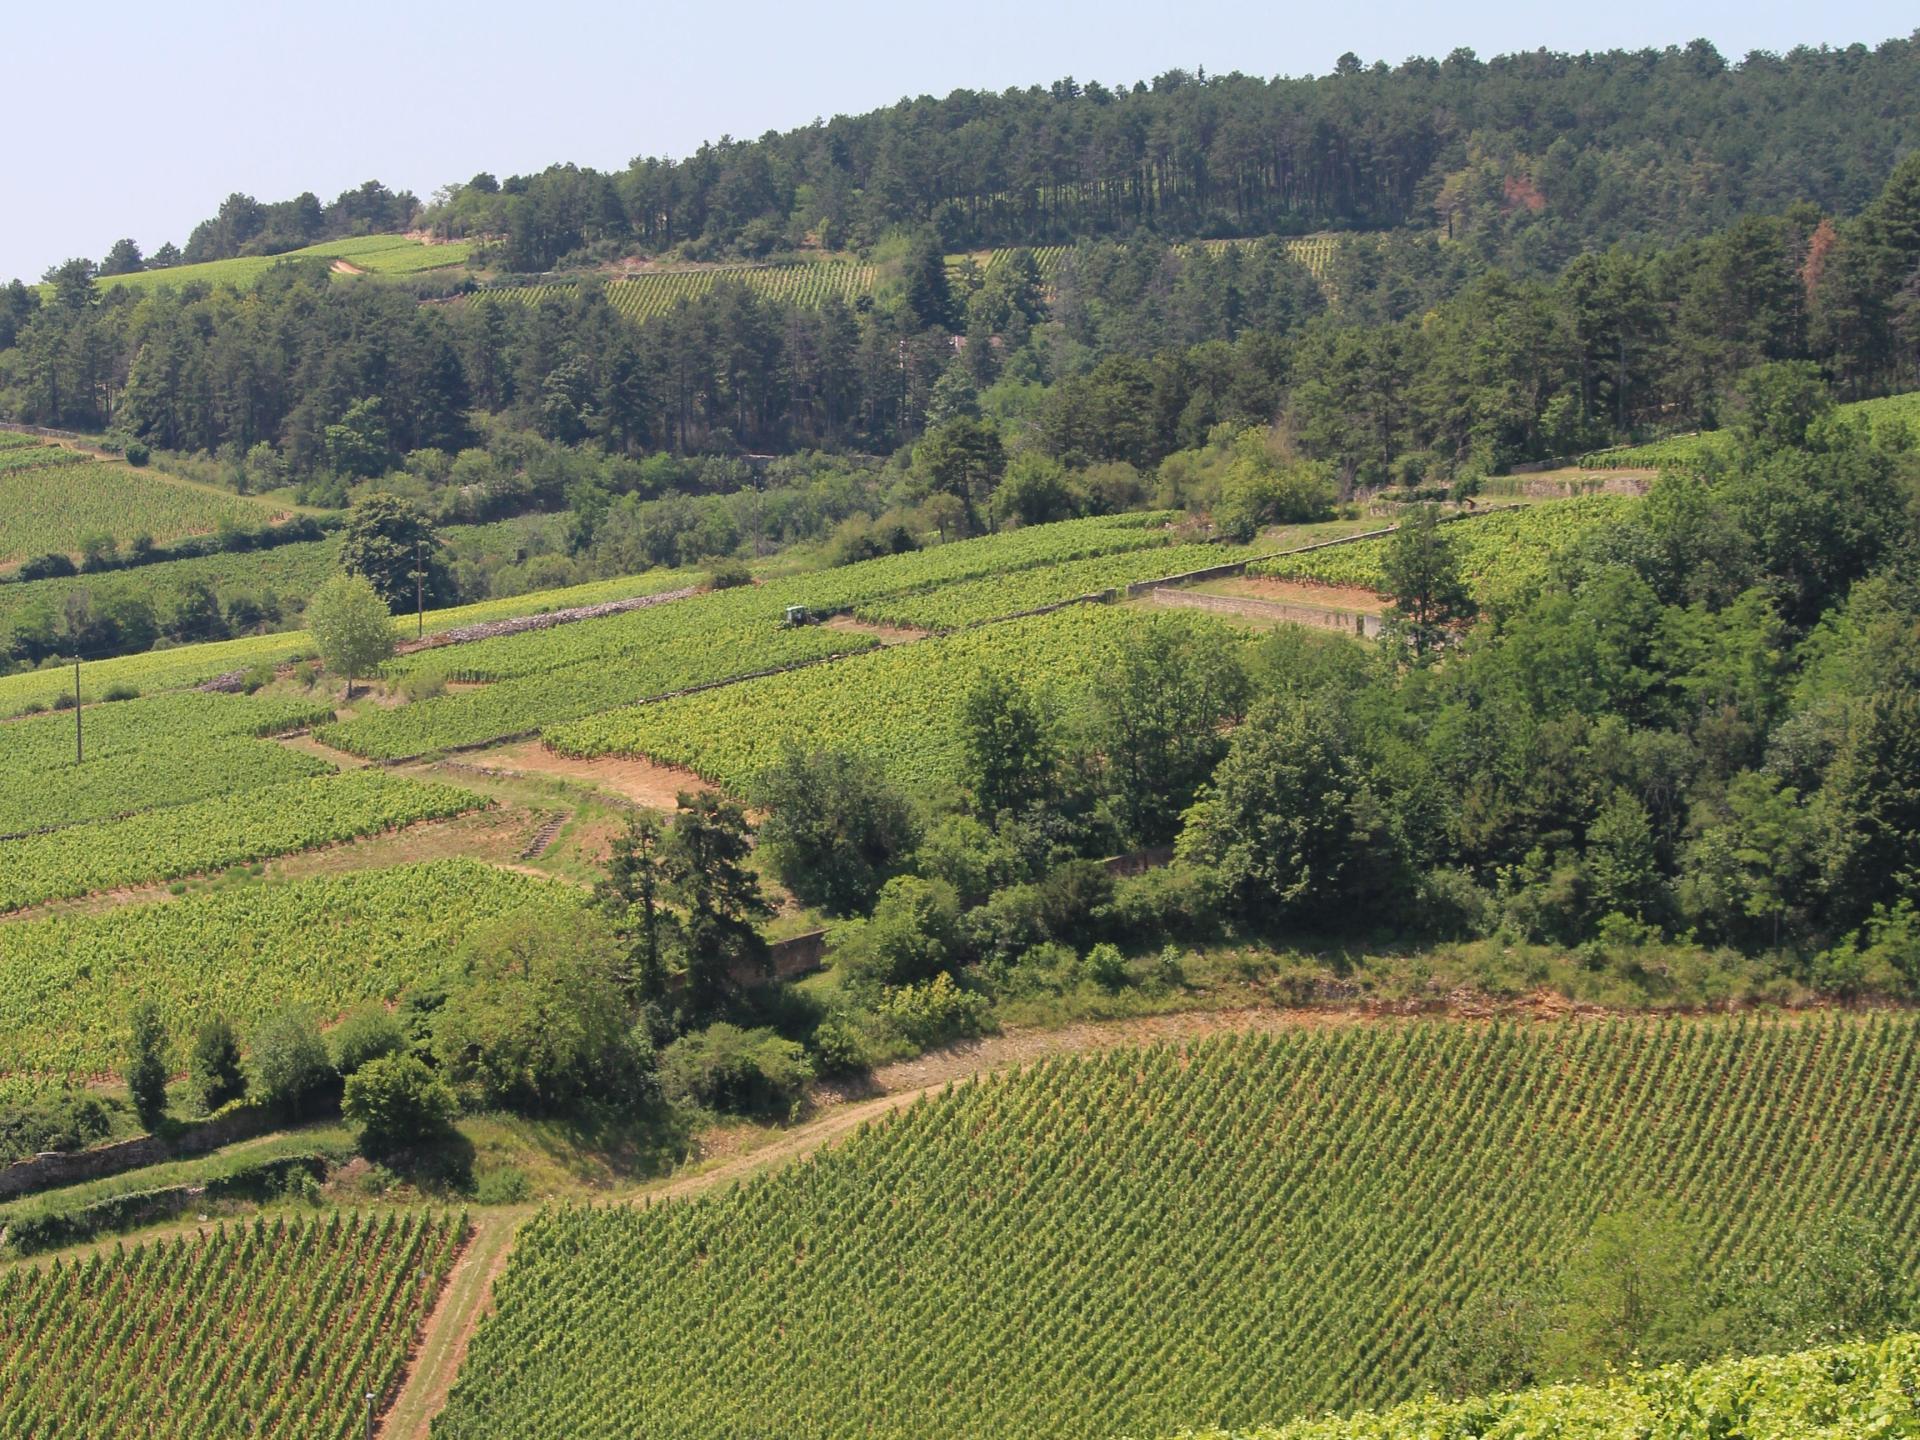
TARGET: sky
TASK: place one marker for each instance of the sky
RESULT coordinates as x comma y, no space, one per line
141,121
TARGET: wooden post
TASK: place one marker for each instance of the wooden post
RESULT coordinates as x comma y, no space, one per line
79,740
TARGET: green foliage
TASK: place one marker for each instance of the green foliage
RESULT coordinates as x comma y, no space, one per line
1269,1191
146,1065
296,1316
912,936
291,1072
387,541
397,1102
932,1012
368,1032
1847,1390
214,1069
1010,742
745,1072
351,627
835,830
538,1022
1421,571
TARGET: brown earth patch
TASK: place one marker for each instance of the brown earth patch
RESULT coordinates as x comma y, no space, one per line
307,745
631,777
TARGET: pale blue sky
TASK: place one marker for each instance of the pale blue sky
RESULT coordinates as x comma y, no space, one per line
139,118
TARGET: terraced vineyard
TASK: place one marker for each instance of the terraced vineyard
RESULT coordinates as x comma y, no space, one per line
1503,553
261,1329
163,670
897,706
213,834
1838,1392
53,498
641,297
1688,452
1138,1242
68,982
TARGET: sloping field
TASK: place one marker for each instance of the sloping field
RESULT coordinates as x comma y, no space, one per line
262,1329
1837,1393
53,499
69,982
1145,1241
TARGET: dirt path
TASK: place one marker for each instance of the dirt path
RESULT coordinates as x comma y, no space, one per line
442,1348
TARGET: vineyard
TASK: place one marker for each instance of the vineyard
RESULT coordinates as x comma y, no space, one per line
374,254
52,499
1839,1392
68,982
1686,453
213,834
149,779
897,706
261,1329
1138,1242
641,297
162,670
1507,552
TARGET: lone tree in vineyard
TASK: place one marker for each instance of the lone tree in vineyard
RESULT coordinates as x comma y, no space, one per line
351,626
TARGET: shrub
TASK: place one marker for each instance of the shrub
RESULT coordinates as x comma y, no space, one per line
369,1032
912,934
214,1067
69,1121
291,1071
397,1101
1106,967
728,575
121,692
505,1186
137,453
744,1072
932,1014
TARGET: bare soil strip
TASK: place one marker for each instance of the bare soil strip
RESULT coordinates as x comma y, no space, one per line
630,777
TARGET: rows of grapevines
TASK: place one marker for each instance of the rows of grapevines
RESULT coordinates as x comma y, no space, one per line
756,607
1143,1241
178,722
51,499
641,297
994,596
68,982
33,456
145,779
1681,452
191,664
1842,1390
657,661
213,834
899,706
380,254
261,1329
14,440
1503,552
550,678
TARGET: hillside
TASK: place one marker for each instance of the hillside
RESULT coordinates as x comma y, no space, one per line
1133,1243
1839,1391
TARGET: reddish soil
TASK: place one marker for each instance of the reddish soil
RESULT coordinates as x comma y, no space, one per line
641,781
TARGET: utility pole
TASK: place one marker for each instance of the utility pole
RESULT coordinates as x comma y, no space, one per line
419,594
369,1415
79,740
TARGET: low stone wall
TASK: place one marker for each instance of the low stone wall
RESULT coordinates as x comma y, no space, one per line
52,1169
